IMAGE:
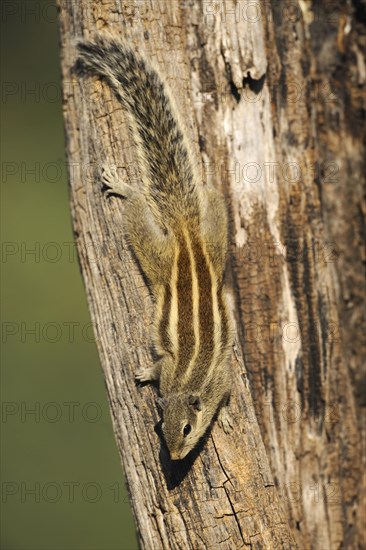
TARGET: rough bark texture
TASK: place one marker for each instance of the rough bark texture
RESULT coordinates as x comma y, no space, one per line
272,98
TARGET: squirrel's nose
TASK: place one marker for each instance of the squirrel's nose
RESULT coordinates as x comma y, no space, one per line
174,455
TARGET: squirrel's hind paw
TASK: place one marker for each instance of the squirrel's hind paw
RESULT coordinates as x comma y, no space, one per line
116,186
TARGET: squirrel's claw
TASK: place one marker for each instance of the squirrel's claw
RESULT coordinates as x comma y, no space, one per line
225,420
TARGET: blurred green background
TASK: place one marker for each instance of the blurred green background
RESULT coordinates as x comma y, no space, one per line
62,483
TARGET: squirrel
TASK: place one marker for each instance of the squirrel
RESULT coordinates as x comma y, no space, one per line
178,229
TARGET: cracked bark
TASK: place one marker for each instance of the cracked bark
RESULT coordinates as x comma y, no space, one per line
245,87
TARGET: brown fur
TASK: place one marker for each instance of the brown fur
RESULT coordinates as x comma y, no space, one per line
180,242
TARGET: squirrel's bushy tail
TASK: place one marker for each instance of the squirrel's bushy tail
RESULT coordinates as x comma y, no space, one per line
164,157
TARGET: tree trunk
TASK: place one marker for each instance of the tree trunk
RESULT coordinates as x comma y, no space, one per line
248,82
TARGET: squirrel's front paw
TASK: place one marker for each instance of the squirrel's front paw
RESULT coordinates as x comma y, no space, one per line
225,420
146,374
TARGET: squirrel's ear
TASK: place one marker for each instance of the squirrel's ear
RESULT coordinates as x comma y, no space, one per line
161,402
195,402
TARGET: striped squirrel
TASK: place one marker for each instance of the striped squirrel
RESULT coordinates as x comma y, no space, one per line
177,228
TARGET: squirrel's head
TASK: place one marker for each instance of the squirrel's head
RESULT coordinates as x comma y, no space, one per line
182,423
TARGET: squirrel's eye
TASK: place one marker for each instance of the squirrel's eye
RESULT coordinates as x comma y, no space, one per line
187,429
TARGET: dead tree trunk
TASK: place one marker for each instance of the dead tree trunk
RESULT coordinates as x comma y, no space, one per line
246,80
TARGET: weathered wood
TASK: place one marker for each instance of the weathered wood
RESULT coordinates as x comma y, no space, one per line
236,70
338,42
